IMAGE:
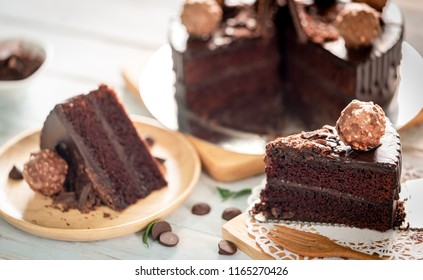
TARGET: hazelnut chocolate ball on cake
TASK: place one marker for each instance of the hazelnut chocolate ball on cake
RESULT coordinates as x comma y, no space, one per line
361,125
313,176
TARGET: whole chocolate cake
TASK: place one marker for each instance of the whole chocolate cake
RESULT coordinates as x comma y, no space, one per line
272,65
108,163
315,177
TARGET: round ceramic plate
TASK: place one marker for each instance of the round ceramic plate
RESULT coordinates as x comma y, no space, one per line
33,212
157,78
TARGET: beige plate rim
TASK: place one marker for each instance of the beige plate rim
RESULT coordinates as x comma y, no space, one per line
128,226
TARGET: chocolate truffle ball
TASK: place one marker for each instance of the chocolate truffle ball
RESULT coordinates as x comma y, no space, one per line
361,125
376,4
201,17
45,172
358,24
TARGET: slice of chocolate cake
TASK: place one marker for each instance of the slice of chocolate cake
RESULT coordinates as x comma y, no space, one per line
108,161
315,177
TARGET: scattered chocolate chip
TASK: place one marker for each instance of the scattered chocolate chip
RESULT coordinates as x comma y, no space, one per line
227,247
200,208
15,173
168,239
160,227
230,213
149,140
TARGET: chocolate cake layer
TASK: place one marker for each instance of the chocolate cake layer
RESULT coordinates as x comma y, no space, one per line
232,79
289,201
106,157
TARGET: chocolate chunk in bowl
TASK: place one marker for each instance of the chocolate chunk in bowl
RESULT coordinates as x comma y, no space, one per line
21,61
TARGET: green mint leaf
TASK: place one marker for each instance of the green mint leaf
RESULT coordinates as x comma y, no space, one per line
226,194
147,232
242,192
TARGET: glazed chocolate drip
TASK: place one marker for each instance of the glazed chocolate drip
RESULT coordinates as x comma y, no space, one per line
379,78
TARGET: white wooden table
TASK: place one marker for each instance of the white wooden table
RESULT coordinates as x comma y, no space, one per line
92,40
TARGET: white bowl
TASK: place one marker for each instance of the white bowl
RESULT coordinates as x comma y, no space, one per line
33,46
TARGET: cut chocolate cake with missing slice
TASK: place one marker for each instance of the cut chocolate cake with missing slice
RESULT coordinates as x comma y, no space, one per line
109,163
315,177
262,66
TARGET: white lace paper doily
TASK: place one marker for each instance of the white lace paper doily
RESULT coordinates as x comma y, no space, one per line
393,244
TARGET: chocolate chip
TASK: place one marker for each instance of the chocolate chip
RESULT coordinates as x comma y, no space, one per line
230,213
227,247
159,228
200,208
168,239
15,173
149,140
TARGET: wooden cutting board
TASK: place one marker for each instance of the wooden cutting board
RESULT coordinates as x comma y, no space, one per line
220,164
235,231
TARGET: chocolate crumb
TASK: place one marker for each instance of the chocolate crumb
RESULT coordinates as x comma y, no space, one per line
200,209
150,141
227,247
106,215
400,215
230,213
15,173
168,239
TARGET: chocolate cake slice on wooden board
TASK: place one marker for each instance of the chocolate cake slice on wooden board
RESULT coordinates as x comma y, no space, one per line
315,177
